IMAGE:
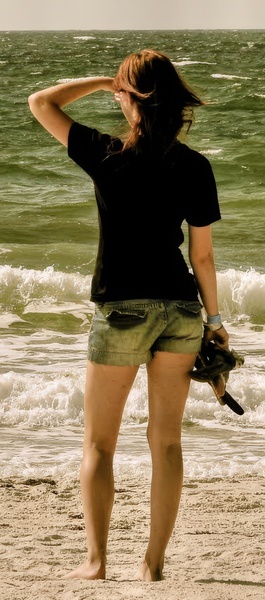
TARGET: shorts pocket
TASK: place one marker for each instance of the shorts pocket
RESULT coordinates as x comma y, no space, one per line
123,318
192,307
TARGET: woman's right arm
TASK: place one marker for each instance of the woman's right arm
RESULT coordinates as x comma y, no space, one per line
46,105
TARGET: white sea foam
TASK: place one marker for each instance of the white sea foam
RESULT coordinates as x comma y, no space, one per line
5,250
44,411
186,62
213,152
48,285
241,293
43,376
84,37
225,76
52,397
40,400
68,79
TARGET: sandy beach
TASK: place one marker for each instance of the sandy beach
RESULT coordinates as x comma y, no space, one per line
217,551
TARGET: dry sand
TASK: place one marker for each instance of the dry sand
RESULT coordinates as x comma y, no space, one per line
217,551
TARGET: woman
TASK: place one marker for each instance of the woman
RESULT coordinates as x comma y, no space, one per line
146,300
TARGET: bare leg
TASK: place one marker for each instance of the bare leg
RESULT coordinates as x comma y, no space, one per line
168,386
106,392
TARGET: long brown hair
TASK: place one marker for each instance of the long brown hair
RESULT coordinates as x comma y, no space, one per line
164,101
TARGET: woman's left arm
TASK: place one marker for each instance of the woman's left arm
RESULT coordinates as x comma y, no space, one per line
202,262
46,105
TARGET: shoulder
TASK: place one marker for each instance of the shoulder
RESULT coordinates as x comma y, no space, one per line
194,156
197,165
83,134
87,146
180,153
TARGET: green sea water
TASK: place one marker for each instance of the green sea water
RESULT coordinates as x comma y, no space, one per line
48,244
48,213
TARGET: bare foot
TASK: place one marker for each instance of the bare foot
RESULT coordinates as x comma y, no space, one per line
88,571
148,574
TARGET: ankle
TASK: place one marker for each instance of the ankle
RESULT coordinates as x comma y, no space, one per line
151,572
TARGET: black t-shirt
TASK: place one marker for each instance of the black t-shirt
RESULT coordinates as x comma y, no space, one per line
142,201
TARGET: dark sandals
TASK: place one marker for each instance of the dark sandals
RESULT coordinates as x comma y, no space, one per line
213,366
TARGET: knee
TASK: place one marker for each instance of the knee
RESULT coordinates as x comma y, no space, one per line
165,443
98,455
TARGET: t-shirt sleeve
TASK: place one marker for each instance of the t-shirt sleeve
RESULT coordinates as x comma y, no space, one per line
202,206
87,147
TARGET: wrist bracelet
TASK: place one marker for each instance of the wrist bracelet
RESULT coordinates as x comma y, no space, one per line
214,319
213,326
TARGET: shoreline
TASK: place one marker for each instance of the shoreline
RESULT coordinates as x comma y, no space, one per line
217,549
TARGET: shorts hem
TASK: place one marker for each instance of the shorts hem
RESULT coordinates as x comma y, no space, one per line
185,348
117,359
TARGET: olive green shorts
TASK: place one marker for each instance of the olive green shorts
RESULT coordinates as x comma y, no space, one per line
129,332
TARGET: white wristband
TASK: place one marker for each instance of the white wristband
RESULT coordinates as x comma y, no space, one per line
214,319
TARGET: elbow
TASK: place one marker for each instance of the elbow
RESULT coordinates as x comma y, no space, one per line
37,103
204,260
30,101
34,101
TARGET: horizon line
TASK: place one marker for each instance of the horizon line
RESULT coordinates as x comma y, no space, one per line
141,29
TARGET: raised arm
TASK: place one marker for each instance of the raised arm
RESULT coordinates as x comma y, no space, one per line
202,262
46,105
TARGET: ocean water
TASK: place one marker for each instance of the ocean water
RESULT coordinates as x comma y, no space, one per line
48,243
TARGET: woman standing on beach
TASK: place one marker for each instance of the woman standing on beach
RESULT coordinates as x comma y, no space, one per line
146,301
